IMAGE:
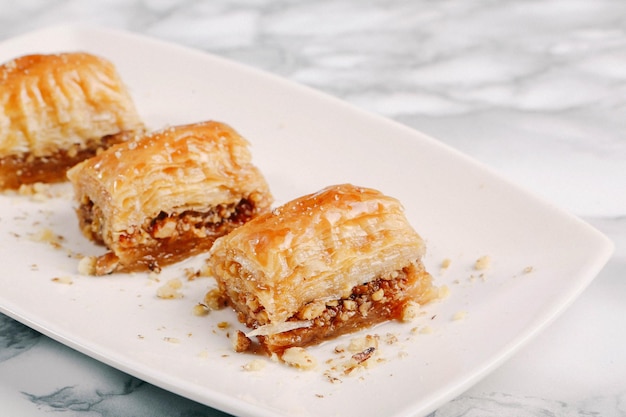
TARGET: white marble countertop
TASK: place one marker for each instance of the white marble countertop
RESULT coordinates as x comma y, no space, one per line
534,89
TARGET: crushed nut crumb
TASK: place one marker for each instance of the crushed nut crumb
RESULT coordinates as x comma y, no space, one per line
391,338
254,365
48,236
426,330
410,311
312,310
459,315
170,289
378,295
191,274
240,342
63,280
444,292
358,344
201,310
482,263
87,265
332,379
298,358
361,357
358,359
214,299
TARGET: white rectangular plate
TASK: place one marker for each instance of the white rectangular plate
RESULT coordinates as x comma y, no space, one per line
541,258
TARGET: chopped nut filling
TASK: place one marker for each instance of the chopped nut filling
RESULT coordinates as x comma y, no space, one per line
376,301
240,342
166,238
17,170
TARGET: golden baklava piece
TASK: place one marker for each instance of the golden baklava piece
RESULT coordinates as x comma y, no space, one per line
322,265
163,197
57,110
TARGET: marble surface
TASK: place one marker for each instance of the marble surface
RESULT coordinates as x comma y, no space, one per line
535,90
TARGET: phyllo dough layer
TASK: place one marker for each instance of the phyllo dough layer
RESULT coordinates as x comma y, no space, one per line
57,110
166,196
322,265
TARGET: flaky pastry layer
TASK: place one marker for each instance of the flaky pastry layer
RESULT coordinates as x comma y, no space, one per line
163,197
56,110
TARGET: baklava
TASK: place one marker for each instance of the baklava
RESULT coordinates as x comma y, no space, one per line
322,265
163,197
57,110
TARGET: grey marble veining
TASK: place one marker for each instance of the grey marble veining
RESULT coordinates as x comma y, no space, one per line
15,338
493,79
503,405
39,376
534,89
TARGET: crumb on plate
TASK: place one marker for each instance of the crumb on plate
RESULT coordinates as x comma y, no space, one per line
170,289
46,235
63,280
444,292
298,358
410,311
254,365
482,263
459,315
445,264
201,310
214,299
87,265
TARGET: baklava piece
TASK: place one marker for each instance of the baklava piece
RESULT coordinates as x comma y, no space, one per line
163,197
322,265
57,110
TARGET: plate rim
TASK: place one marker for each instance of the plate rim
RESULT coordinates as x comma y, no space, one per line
605,245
